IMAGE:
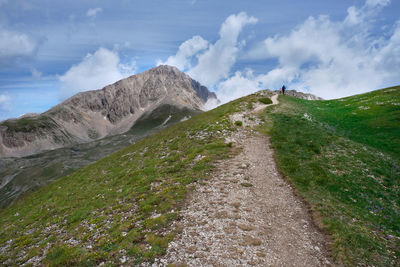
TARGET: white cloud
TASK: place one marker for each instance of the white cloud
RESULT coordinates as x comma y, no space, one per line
369,9
332,59
92,12
328,58
212,62
189,48
240,84
374,3
94,72
15,45
245,83
216,62
36,74
4,102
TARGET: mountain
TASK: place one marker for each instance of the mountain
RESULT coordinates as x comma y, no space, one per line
341,156
93,115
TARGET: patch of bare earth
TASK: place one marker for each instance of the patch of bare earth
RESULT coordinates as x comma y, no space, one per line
246,215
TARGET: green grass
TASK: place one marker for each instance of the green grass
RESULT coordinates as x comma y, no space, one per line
372,119
345,162
29,124
265,100
121,205
239,123
30,173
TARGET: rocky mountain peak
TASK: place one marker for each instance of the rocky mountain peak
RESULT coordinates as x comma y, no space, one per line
166,70
92,115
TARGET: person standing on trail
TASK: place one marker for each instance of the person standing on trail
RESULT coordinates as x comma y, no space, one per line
283,89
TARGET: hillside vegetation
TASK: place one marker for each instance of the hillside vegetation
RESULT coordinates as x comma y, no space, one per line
343,157
21,175
117,210
29,124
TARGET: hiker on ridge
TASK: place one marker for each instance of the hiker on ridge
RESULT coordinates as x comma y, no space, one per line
283,89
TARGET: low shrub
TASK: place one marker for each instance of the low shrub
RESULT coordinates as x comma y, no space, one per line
265,100
238,123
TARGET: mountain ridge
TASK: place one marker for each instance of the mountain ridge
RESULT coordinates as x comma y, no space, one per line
95,114
134,212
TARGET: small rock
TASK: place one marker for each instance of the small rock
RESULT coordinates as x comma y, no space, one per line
123,259
250,241
245,227
191,249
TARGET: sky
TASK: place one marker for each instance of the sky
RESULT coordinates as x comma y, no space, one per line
53,49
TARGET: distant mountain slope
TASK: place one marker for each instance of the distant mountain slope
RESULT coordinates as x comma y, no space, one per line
26,174
93,115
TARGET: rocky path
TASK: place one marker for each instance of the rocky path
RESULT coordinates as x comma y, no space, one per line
274,99
246,215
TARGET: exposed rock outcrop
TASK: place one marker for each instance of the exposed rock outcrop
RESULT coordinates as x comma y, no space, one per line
302,95
296,94
96,114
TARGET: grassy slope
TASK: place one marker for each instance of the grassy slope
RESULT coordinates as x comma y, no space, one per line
29,124
122,204
27,174
343,157
372,119
126,202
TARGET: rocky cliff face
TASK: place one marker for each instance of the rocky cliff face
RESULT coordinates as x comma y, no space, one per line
96,114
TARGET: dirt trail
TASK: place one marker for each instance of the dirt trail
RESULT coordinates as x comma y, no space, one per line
275,101
246,215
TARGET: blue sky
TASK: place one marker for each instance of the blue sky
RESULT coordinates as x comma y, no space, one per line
50,49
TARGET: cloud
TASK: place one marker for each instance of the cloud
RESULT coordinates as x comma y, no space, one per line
15,46
375,3
4,102
189,48
216,62
36,74
330,58
245,82
369,9
92,12
94,72
239,85
210,63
